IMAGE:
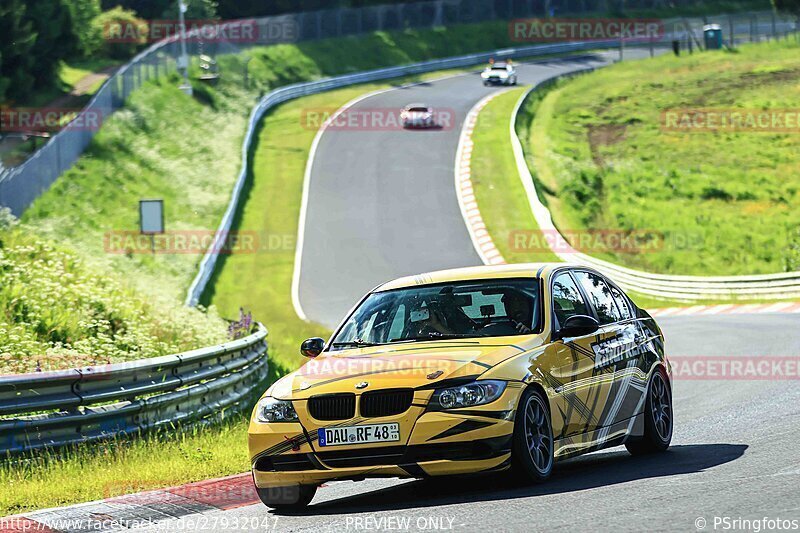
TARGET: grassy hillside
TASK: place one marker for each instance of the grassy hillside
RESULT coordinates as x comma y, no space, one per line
725,202
186,150
57,311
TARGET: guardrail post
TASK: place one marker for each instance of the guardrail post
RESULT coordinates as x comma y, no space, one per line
732,37
774,27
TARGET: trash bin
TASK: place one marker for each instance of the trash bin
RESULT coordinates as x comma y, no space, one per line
713,36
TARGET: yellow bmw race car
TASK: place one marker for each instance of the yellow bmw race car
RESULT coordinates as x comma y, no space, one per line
469,370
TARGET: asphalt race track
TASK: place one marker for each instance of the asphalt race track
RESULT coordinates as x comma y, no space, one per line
382,203
734,453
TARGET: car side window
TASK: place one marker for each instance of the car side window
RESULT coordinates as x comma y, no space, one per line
622,304
600,294
567,299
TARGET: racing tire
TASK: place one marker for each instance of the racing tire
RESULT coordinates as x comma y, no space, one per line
291,498
532,444
658,418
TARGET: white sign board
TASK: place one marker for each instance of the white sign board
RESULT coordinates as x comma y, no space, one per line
151,216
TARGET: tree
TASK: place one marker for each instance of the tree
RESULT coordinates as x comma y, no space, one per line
165,9
791,7
55,40
83,12
17,38
123,33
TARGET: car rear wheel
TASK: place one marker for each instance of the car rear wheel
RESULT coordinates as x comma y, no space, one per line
289,498
532,448
657,418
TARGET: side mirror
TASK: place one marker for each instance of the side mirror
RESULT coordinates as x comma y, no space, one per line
312,347
578,326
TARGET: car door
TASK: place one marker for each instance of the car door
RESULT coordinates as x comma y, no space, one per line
572,373
639,352
615,353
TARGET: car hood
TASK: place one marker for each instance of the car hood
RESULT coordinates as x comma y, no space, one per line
401,365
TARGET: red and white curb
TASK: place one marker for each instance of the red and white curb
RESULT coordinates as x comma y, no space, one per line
481,240
727,309
138,510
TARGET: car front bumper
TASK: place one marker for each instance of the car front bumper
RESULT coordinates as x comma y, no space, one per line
434,443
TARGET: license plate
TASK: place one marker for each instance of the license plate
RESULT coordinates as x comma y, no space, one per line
359,434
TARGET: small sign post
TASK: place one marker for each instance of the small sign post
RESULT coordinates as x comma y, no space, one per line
151,219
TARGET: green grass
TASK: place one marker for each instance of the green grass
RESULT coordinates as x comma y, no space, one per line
502,199
83,474
263,282
69,74
498,190
187,151
271,208
57,311
164,145
725,203
73,72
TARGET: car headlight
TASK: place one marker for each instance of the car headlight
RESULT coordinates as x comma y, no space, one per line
272,410
476,393
484,75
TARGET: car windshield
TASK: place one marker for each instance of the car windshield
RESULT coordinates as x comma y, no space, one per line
485,308
499,67
418,109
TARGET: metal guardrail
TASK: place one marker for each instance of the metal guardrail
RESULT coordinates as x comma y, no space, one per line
21,185
682,288
51,409
278,96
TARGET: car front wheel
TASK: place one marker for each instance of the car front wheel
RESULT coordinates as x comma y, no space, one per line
657,418
532,448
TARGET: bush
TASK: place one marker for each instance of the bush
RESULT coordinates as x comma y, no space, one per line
121,31
36,36
83,13
59,311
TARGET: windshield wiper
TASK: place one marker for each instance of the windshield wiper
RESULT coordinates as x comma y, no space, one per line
358,343
436,336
